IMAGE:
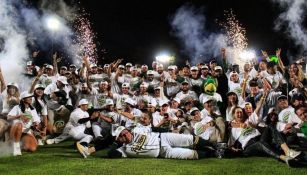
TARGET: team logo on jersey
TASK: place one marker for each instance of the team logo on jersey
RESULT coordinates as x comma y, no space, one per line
247,131
137,146
285,117
58,126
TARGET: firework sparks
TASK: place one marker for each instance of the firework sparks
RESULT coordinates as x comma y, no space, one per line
235,34
85,38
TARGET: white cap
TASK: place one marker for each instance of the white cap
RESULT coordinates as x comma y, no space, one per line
49,67
39,86
206,99
144,85
170,68
144,65
129,64
177,99
84,85
150,72
62,79
125,85
106,65
193,109
121,66
153,103
29,63
158,88
194,68
25,94
272,110
204,67
163,102
118,130
63,67
134,68
130,101
12,84
218,68
93,65
83,102
160,65
109,101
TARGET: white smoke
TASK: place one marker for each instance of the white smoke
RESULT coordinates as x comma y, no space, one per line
14,49
22,25
188,25
292,19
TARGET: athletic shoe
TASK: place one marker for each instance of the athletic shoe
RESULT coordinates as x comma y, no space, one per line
83,150
40,142
16,149
50,141
290,161
293,154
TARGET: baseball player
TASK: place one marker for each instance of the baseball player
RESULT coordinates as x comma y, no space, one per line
152,144
75,127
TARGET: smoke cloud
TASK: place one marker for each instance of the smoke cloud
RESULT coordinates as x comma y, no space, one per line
23,26
188,24
291,21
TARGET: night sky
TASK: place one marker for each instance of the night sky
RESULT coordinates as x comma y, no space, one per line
137,30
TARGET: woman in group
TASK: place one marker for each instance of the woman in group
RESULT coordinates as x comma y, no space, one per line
253,143
24,118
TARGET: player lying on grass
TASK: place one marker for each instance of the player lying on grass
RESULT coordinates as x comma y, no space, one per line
152,144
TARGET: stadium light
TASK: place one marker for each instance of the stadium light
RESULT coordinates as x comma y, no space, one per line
165,58
53,23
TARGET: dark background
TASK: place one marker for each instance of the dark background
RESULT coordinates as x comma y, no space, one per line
138,30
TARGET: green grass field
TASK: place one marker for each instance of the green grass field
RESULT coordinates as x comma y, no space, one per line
64,159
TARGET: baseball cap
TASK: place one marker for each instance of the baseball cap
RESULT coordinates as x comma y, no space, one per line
128,65
121,66
144,85
217,68
281,97
177,99
153,103
163,102
170,68
62,79
93,65
63,67
233,73
84,85
106,65
206,99
125,85
193,109
204,67
25,94
185,82
194,68
83,102
150,72
118,130
271,110
49,67
109,102
158,88
160,65
130,101
29,63
72,65
12,84
39,86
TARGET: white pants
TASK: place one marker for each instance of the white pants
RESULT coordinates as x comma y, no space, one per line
176,146
78,134
65,134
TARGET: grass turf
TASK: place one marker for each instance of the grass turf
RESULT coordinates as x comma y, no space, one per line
64,159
